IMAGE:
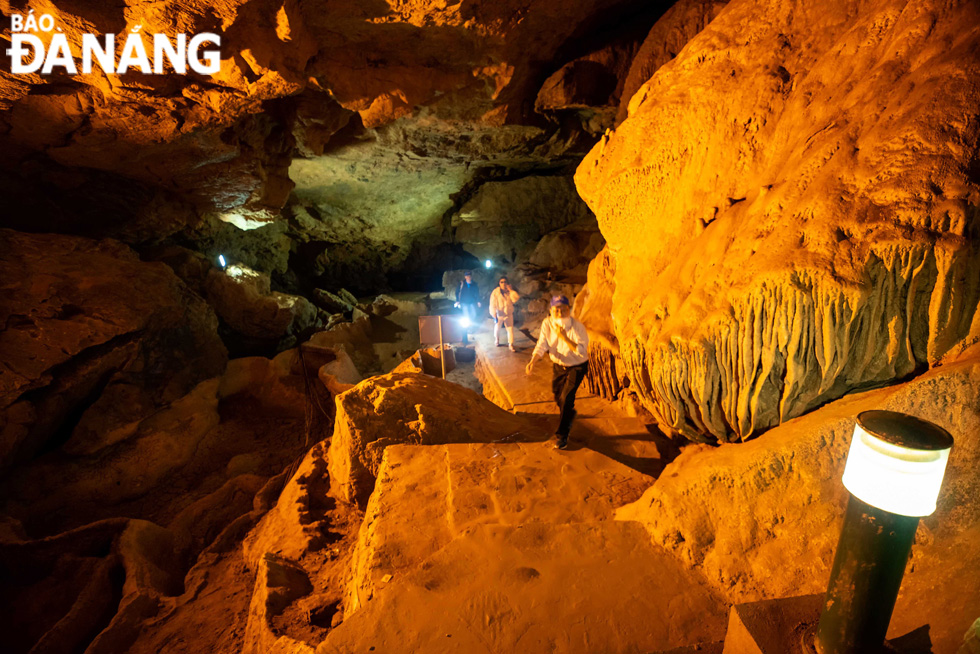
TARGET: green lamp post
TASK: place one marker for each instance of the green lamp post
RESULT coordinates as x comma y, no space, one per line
894,470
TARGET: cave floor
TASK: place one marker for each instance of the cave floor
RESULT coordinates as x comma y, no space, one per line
600,425
513,546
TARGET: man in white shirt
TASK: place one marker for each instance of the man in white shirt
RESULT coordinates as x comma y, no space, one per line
502,311
565,340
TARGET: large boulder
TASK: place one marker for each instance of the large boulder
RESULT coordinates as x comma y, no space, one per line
791,211
92,332
762,519
406,408
245,301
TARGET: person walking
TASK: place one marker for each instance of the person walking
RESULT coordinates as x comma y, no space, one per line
566,341
502,311
468,297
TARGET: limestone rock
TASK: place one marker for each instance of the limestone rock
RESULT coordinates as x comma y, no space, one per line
277,584
102,473
243,299
341,369
558,251
503,217
591,85
331,302
405,408
160,467
668,36
296,524
738,513
200,523
98,581
427,496
505,581
92,330
772,252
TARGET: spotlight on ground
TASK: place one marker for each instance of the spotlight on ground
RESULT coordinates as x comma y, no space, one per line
221,260
488,263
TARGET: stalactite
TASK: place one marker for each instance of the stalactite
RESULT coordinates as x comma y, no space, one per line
790,346
603,377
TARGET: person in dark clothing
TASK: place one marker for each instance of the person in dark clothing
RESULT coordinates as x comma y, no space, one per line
468,298
566,341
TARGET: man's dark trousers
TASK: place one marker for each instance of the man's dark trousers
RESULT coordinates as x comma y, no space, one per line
564,384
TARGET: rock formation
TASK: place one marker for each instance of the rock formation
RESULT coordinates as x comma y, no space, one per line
366,122
778,222
405,408
93,341
762,519
791,212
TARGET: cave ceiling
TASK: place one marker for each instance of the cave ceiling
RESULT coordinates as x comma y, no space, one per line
364,123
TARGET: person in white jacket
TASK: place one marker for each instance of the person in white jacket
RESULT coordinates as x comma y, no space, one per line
502,311
566,342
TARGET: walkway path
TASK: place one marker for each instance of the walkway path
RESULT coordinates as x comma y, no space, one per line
512,546
601,425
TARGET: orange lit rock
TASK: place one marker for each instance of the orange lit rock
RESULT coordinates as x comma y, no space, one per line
277,584
762,519
243,299
427,496
294,526
666,39
791,211
406,408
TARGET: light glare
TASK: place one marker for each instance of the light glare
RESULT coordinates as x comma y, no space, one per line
894,478
221,260
488,263
464,321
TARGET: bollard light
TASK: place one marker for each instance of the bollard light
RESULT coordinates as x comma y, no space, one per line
894,470
488,264
899,474
221,260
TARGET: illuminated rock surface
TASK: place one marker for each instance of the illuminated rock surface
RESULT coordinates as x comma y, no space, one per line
762,519
788,204
791,211
405,408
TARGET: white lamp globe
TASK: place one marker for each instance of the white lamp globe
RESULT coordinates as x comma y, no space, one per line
896,462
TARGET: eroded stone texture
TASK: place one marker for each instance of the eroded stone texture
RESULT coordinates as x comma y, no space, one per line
244,300
292,75
405,408
91,331
792,211
666,39
762,519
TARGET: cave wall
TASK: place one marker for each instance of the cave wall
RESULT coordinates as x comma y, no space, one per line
791,211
